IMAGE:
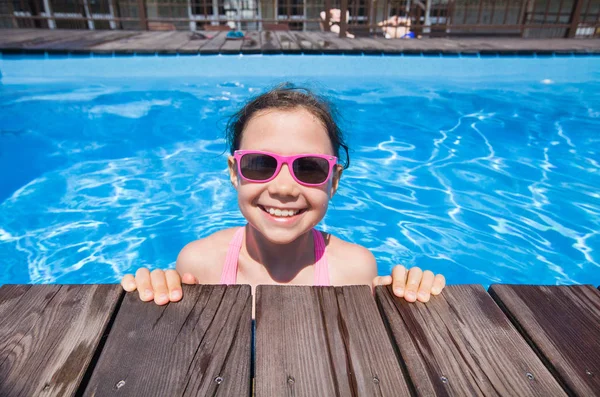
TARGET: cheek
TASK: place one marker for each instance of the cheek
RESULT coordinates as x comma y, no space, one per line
319,197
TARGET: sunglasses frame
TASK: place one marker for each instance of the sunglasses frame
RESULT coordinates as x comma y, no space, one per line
288,160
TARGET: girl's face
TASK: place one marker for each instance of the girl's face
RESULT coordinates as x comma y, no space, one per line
282,132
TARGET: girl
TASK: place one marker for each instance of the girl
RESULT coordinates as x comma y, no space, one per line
284,148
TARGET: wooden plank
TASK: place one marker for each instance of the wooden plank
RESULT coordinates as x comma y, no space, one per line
270,43
172,43
50,44
142,42
213,46
251,43
162,42
370,45
200,346
48,336
85,42
323,341
232,46
343,44
40,37
195,41
11,36
322,41
287,41
460,343
306,43
563,323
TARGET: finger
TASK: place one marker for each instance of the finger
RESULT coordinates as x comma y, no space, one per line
188,278
174,285
144,287
382,280
424,292
399,280
159,285
438,284
412,284
128,283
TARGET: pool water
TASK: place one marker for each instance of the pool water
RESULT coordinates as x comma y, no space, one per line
486,170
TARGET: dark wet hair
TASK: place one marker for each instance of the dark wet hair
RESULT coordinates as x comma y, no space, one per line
288,97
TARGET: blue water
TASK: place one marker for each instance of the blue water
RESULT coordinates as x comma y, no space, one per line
486,170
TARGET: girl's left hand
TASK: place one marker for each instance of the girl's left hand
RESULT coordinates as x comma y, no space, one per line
414,284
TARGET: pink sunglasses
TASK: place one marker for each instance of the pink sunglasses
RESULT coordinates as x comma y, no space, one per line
306,169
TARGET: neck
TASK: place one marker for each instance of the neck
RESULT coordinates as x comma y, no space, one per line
283,262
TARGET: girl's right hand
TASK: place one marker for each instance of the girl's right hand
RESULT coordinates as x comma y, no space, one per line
162,286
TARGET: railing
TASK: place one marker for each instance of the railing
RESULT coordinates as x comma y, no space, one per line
389,18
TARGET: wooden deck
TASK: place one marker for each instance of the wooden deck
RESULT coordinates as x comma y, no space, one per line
272,42
65,340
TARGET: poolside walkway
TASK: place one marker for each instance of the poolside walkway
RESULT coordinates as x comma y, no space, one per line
272,42
65,340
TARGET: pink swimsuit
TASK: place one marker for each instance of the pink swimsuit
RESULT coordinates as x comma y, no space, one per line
229,274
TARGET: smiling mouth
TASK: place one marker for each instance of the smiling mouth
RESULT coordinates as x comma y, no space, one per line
282,213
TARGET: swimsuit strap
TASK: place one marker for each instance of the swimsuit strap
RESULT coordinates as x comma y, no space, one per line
229,274
321,267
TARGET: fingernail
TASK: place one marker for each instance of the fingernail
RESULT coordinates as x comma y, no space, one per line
131,285
148,293
398,291
163,297
422,295
410,295
175,294
435,291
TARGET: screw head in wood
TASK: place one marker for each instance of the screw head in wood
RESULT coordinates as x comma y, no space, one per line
588,372
530,376
444,379
291,380
218,380
120,384
376,380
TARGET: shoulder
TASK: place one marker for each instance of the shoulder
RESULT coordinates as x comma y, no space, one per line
204,258
349,263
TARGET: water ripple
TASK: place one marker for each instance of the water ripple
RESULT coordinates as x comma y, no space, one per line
497,184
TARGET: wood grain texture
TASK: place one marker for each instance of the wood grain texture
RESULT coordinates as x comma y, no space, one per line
87,41
460,343
252,43
213,46
341,45
232,46
197,347
173,43
270,43
152,41
323,341
61,42
309,44
144,42
48,336
195,41
563,322
17,38
287,41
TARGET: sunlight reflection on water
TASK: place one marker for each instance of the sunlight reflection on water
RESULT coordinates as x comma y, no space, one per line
485,184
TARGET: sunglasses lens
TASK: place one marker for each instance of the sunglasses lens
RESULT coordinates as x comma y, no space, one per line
258,167
312,170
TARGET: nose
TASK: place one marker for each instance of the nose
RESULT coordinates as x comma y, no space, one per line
284,184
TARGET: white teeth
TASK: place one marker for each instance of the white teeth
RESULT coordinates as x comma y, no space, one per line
278,212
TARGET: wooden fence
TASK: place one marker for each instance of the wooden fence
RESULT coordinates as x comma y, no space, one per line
389,18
